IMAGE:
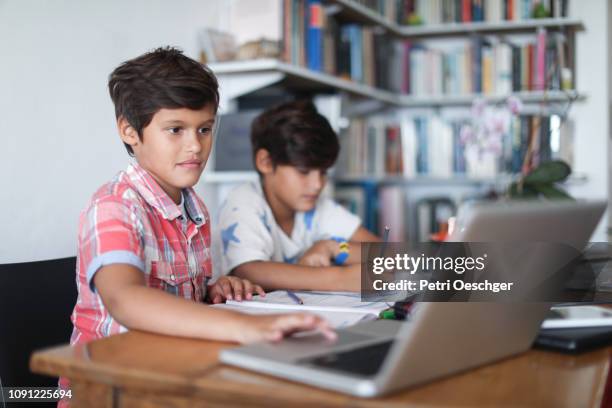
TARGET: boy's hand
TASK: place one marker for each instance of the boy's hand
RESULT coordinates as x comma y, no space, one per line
320,253
275,327
231,287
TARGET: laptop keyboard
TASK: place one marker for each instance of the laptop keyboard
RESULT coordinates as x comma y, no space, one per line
365,361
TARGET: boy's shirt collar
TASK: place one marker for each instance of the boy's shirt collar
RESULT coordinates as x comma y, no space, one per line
155,196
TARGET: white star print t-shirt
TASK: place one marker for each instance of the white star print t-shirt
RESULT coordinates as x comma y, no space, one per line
247,230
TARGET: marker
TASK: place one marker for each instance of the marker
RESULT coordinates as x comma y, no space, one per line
388,314
295,297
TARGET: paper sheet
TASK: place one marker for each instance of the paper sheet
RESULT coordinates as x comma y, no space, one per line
337,320
346,302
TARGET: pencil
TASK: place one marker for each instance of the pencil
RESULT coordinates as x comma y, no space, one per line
385,240
295,297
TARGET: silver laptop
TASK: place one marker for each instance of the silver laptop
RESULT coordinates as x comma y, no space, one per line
378,357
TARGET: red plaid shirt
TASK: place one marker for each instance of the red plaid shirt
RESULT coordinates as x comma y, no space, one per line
131,220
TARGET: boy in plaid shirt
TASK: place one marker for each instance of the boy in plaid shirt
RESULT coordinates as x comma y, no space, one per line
144,239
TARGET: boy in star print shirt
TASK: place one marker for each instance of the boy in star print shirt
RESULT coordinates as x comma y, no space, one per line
280,232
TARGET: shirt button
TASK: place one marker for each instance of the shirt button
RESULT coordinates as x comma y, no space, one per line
172,277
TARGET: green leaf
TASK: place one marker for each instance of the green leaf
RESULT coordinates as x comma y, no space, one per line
540,11
549,172
527,191
551,192
415,19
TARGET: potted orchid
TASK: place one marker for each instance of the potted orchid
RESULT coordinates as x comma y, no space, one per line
483,141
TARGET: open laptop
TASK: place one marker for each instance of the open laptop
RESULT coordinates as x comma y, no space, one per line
440,339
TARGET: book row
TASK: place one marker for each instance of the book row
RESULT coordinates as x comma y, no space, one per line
433,147
415,12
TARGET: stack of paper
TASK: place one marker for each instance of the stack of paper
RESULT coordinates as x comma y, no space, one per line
340,309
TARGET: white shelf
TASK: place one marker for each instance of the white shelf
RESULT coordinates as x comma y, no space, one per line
501,179
422,180
504,27
228,177
244,176
465,100
220,177
359,13
304,78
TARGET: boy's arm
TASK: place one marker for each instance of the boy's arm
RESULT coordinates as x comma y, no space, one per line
361,235
135,306
278,275
322,252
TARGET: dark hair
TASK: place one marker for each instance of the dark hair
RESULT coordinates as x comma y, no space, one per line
163,78
295,134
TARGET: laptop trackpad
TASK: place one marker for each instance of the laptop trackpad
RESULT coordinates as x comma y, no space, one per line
303,346
299,347
379,328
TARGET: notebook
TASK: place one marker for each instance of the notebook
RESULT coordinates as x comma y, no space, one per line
340,309
574,340
578,316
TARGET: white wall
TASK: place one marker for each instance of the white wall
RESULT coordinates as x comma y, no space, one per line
59,141
609,119
592,122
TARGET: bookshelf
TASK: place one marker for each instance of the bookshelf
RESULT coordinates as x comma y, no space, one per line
366,97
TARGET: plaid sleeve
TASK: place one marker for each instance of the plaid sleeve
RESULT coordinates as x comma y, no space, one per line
110,232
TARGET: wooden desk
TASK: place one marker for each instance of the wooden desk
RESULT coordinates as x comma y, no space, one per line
145,370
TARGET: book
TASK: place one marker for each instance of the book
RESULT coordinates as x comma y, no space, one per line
330,33
408,147
466,11
477,10
356,51
314,44
577,316
541,45
393,151
574,340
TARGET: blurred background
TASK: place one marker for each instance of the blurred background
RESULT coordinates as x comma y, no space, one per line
436,102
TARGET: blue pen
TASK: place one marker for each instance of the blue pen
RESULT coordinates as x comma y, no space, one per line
295,297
